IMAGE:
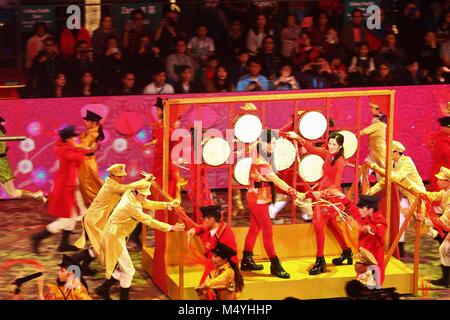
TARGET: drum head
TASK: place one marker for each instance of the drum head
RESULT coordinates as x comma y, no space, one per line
350,143
216,151
242,171
248,128
312,125
310,167
284,154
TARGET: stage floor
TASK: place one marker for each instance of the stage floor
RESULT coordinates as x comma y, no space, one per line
19,219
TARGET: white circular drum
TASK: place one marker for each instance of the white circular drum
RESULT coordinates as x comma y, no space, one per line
248,128
284,154
350,143
242,171
310,167
216,151
312,125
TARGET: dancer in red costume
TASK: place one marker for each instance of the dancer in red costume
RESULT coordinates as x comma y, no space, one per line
372,223
212,231
62,198
333,168
441,151
260,194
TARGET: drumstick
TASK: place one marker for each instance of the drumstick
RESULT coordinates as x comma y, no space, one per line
12,138
180,166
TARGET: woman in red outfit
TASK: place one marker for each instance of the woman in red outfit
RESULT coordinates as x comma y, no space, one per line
260,194
333,168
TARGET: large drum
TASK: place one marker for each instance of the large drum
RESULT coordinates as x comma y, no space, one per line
312,125
247,128
310,167
350,143
284,154
241,171
216,151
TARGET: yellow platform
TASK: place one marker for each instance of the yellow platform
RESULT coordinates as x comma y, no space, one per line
296,249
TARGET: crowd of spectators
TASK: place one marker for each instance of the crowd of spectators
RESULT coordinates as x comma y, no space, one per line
243,46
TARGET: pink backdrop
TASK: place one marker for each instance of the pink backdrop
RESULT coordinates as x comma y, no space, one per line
34,162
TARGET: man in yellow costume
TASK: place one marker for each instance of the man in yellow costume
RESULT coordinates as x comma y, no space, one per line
405,171
98,213
113,244
376,132
444,249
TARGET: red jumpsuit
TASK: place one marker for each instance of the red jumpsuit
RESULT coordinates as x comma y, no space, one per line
259,209
374,243
325,215
441,156
225,235
62,198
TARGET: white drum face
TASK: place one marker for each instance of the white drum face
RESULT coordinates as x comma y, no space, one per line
242,171
350,143
216,151
248,128
312,125
310,167
284,154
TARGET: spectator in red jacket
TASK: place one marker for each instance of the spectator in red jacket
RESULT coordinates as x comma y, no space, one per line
68,39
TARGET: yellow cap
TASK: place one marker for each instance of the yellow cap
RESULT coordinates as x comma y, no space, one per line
117,170
248,106
397,146
366,257
444,174
143,187
373,105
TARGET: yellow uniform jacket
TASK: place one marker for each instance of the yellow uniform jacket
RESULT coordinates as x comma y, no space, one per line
99,211
377,142
121,223
222,283
90,181
444,197
55,292
405,171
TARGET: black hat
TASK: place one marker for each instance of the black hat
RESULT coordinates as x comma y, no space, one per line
67,261
223,251
368,201
159,103
212,211
92,116
444,121
67,132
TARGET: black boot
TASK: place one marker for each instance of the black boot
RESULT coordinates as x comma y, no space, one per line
136,235
277,270
103,290
319,267
84,259
401,249
445,280
37,238
347,254
247,263
64,244
124,293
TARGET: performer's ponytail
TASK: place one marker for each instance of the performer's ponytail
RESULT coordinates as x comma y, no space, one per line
101,134
238,279
340,141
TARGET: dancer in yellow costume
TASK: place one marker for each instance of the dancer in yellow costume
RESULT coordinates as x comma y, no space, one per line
113,244
90,182
377,137
98,213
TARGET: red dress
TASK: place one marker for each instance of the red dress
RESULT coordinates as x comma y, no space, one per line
372,242
441,157
62,198
326,215
225,235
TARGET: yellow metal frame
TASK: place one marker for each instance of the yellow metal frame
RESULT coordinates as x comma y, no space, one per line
276,97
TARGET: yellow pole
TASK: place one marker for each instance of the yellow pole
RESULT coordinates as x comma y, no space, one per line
416,256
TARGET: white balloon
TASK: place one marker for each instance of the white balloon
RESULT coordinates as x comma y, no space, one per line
25,166
27,145
120,145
